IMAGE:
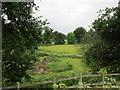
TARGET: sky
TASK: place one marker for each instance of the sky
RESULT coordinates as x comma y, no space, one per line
66,15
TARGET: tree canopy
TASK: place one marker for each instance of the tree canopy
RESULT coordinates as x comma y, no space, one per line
71,38
79,33
59,38
108,27
48,35
21,34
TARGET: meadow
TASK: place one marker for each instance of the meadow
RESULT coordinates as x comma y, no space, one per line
71,49
61,67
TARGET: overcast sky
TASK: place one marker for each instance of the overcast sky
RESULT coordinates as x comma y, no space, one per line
66,15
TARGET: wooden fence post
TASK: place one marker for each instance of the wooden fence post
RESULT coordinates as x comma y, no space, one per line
54,80
118,87
54,83
18,86
81,78
103,78
80,82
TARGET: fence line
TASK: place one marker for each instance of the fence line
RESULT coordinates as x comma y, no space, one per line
69,78
88,84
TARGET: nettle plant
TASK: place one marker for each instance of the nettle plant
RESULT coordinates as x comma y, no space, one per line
108,83
60,85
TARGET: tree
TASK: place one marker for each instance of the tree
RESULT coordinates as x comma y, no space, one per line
79,33
91,37
108,27
21,34
59,38
48,35
71,38
96,53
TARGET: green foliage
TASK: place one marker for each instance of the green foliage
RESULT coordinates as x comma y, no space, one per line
72,82
106,52
94,55
79,33
22,33
71,38
59,66
110,85
60,85
20,36
59,38
48,35
46,77
90,37
55,86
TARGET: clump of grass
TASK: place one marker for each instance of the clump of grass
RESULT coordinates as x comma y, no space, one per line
59,66
53,59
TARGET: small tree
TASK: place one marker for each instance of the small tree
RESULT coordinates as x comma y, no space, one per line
95,53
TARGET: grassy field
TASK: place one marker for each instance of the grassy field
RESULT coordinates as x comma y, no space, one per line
75,62
63,67
72,49
78,64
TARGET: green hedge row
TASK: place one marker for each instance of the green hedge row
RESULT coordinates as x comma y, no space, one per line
42,53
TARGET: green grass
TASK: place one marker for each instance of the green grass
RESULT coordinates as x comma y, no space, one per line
77,64
59,66
71,49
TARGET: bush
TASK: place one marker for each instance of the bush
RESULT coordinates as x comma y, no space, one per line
59,66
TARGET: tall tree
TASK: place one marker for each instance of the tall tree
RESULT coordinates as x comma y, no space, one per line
71,38
108,27
59,38
48,35
79,33
91,37
21,33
